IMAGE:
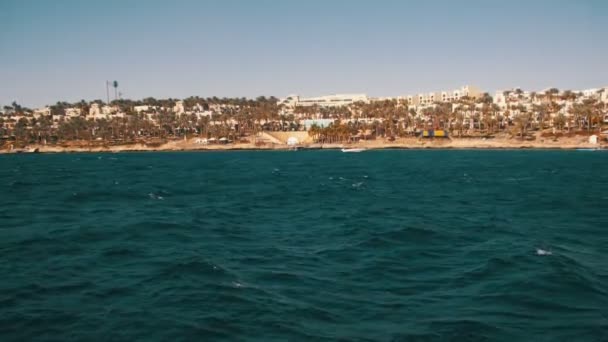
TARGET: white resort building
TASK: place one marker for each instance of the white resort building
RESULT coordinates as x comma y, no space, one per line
444,96
101,112
179,108
44,111
336,100
339,100
73,112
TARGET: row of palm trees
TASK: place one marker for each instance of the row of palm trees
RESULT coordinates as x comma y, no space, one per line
233,119
466,117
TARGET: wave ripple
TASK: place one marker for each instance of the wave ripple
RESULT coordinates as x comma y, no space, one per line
311,245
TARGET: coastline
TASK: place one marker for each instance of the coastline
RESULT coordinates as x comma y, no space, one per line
403,143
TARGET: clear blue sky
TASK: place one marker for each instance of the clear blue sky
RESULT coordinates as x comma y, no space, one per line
65,50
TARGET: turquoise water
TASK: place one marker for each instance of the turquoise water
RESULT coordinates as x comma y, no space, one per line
310,245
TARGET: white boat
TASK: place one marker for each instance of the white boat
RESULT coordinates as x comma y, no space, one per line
352,150
25,150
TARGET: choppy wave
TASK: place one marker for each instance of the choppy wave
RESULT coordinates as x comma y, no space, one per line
390,246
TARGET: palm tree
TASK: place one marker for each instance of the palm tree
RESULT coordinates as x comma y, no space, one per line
568,95
559,121
459,118
2,128
589,110
533,96
115,85
541,111
45,123
314,132
522,121
17,108
203,124
21,130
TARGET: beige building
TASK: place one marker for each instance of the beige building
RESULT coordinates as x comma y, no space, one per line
444,96
94,110
503,98
179,108
72,112
44,111
144,108
107,110
600,94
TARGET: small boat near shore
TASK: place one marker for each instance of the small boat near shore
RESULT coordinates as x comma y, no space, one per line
26,150
592,149
352,150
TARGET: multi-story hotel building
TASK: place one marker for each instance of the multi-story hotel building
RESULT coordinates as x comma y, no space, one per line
336,100
444,96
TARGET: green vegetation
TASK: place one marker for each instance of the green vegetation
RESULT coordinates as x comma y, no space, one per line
127,121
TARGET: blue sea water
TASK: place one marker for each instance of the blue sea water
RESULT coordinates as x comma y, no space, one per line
305,246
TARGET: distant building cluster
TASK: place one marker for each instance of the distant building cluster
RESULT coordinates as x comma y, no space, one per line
422,99
560,103
516,96
337,100
469,102
467,98
444,96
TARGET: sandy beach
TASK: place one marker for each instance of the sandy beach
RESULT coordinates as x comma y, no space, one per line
576,142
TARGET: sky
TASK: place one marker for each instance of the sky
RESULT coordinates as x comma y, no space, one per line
65,50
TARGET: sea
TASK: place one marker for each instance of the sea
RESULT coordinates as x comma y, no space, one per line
390,245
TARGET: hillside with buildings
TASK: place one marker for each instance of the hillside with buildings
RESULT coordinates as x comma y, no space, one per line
464,113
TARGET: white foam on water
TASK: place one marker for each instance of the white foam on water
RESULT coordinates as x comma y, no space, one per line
155,196
512,179
543,252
